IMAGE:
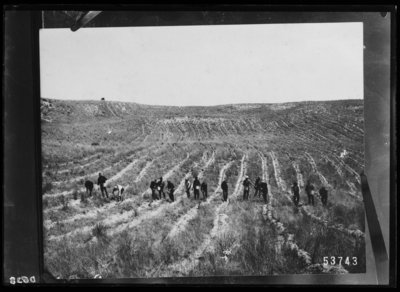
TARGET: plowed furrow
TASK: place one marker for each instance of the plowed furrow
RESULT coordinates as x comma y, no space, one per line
219,225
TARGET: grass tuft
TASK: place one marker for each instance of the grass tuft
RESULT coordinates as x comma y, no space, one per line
48,186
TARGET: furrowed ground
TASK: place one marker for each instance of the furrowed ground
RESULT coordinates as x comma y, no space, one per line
132,144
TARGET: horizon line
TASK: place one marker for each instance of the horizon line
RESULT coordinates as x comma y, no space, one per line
227,104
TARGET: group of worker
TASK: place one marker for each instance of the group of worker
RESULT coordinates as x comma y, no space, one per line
196,187
101,182
117,191
309,189
260,187
159,186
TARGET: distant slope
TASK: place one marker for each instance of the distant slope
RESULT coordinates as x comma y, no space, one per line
71,127
64,110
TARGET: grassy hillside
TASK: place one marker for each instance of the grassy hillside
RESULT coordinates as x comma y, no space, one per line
132,144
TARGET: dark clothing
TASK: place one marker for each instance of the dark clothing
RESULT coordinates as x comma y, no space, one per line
310,199
264,188
161,184
171,194
224,187
89,187
171,189
296,199
309,189
101,181
196,194
264,191
246,189
153,187
296,195
188,185
225,195
204,190
246,183
160,188
170,185
324,195
153,194
257,187
196,184
196,189
103,190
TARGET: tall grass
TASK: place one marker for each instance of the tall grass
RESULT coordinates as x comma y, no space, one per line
320,241
254,169
247,248
47,187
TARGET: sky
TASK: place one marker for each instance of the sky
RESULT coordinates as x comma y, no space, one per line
204,65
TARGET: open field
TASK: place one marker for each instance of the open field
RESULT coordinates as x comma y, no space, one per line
134,144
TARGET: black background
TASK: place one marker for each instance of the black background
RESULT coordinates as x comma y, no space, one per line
22,228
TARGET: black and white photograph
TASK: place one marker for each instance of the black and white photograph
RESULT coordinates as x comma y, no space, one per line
203,150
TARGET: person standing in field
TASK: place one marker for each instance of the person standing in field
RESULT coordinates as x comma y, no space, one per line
196,188
101,181
89,187
204,190
264,190
224,187
171,189
160,187
324,195
310,193
153,186
188,185
246,188
296,193
257,187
